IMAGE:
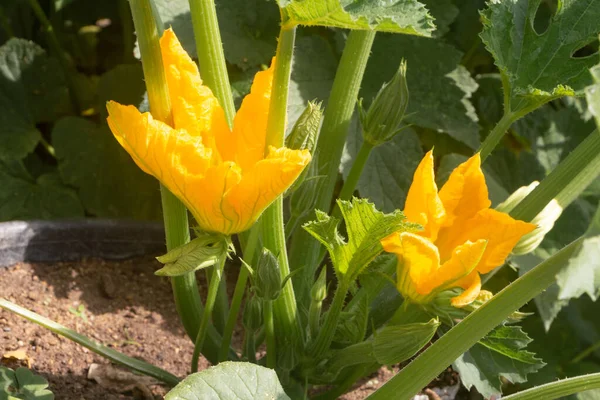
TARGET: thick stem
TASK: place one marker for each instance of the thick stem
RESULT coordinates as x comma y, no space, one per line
273,233
270,332
305,252
213,288
559,389
357,167
465,334
332,317
106,352
210,54
250,345
494,137
238,293
59,53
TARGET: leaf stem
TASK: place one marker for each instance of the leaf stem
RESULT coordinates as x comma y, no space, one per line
270,332
211,58
465,334
494,137
559,389
250,345
238,293
59,53
327,331
354,175
213,288
111,354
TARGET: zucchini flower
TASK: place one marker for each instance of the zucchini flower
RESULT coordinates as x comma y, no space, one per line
461,237
224,177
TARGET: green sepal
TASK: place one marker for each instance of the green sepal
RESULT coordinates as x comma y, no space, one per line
204,251
396,343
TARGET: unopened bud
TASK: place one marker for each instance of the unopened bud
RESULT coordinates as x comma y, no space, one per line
306,129
318,292
544,220
253,319
382,122
267,277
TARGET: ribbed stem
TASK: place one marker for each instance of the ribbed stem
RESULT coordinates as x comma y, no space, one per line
559,389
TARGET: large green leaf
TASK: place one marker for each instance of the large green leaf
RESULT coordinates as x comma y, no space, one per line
401,16
108,181
123,84
539,66
230,381
500,354
23,384
388,173
46,197
365,227
439,87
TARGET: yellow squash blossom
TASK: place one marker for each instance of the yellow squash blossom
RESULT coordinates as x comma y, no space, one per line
223,177
461,237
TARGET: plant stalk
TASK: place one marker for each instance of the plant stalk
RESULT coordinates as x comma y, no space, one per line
327,331
357,167
465,334
270,332
496,135
559,389
106,352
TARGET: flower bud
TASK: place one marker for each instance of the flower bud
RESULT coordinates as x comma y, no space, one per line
318,292
253,319
306,129
381,123
267,277
544,220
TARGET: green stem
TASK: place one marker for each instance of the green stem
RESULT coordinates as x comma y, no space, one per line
111,354
358,353
347,383
585,353
210,53
566,182
325,337
58,52
357,167
221,306
273,233
270,332
314,317
494,137
336,121
213,288
465,334
238,293
250,345
559,389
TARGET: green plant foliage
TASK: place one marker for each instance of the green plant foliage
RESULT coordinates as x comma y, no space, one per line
365,227
23,197
108,181
230,381
123,84
397,343
400,16
204,251
23,384
539,66
500,354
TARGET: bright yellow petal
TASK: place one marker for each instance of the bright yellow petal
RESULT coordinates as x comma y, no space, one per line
501,231
262,184
195,108
464,260
423,205
465,193
472,285
420,261
250,124
392,243
171,155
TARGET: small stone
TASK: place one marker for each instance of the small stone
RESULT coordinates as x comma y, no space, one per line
6,329
32,296
109,289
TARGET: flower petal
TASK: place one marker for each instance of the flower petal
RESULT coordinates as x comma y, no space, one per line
195,108
465,193
170,155
416,271
250,124
262,184
423,205
464,260
501,231
472,285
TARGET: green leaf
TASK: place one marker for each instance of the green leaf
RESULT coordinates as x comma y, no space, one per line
400,16
443,12
539,66
108,181
388,173
440,88
123,84
230,381
22,197
500,354
202,252
397,343
365,227
23,384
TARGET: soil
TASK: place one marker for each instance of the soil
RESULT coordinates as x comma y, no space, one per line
122,305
